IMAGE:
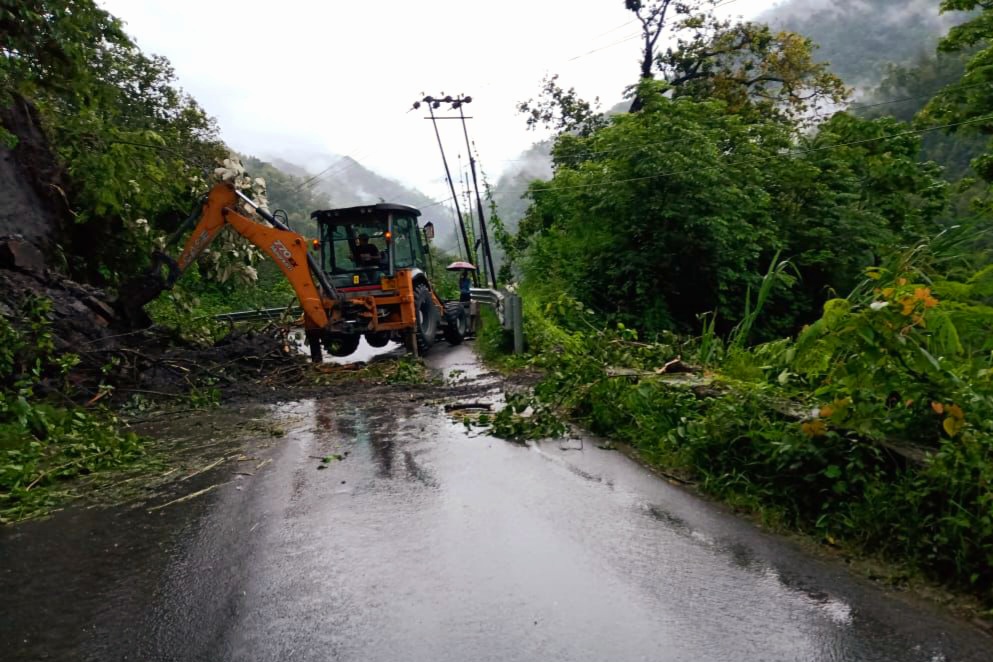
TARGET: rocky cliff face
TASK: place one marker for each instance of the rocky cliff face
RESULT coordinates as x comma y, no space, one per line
35,225
33,186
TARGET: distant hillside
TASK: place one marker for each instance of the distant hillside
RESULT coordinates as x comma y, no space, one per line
534,163
347,182
860,37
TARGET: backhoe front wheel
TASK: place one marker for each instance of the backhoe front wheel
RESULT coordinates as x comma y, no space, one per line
427,318
342,345
377,339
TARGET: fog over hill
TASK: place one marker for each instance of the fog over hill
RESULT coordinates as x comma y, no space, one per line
508,194
860,37
345,182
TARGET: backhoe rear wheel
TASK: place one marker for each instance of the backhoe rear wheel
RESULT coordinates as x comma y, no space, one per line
342,345
456,322
427,318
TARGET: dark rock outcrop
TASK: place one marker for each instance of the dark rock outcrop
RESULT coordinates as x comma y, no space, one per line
33,184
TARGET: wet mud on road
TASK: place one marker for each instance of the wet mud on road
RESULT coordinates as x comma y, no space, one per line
425,542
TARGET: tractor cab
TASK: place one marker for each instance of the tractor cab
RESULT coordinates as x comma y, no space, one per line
376,260
361,247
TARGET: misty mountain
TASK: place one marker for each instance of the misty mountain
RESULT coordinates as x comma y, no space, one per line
344,182
534,163
859,38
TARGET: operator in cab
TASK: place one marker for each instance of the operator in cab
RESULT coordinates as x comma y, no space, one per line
366,254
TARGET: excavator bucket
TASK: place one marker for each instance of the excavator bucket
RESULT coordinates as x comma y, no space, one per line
135,293
220,210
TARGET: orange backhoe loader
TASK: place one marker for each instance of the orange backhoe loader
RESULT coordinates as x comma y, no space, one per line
371,279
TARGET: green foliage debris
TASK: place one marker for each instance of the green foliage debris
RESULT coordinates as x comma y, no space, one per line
44,442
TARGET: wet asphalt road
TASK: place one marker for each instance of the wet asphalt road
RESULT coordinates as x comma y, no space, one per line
427,544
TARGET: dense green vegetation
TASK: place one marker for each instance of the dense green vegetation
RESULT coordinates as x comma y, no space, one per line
136,153
791,307
870,428
673,211
829,287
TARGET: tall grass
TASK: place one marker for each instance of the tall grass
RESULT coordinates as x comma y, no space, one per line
778,272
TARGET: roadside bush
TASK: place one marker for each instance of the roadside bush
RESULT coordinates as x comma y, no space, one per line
43,443
873,428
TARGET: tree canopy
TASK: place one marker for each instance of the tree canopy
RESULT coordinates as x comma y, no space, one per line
966,105
135,146
676,210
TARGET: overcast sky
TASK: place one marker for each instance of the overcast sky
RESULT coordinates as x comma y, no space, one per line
302,78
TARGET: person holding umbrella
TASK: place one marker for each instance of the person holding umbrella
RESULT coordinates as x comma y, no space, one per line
465,283
465,291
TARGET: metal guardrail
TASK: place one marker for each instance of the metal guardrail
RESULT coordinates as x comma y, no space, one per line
509,310
495,299
261,314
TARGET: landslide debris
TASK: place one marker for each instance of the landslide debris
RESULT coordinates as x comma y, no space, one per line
115,362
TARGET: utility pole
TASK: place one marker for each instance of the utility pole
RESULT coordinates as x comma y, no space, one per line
458,102
432,104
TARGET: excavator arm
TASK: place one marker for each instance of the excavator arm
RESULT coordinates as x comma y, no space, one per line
285,247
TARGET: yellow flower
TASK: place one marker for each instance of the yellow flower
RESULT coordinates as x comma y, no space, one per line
924,294
952,426
815,428
908,303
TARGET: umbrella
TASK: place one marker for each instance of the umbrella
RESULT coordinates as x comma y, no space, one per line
460,266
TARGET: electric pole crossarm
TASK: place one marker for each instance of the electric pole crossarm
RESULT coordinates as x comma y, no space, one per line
451,184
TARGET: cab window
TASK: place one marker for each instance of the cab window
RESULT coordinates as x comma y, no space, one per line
405,243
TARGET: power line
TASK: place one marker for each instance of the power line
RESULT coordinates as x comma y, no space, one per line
435,204
859,106
602,48
307,181
797,152
684,140
626,39
335,168
616,28
328,170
